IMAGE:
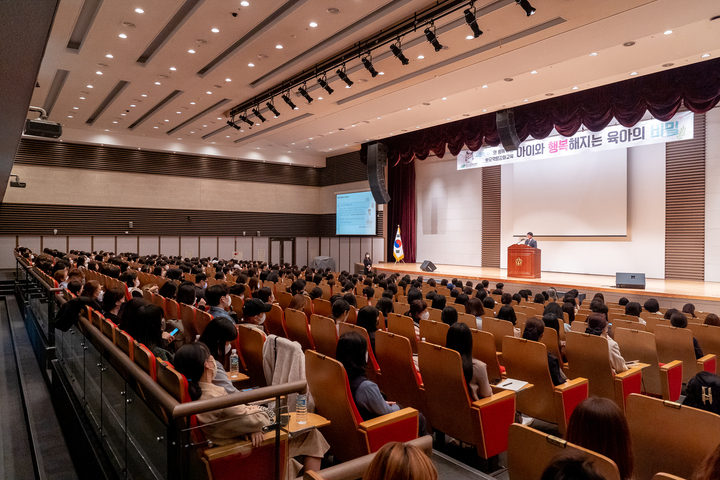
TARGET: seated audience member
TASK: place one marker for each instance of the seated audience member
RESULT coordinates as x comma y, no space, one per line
539,298
449,315
488,303
461,299
534,330
568,309
186,294
168,290
545,295
217,337
418,311
254,285
460,339
506,312
679,320
130,278
201,284
350,298
597,324
368,318
689,308
147,329
703,392
670,312
599,296
623,301
712,319
598,424
571,467
499,286
298,302
75,287
92,294
316,292
386,306
229,424
710,467
485,286
369,293
475,308
652,305
497,291
554,308
517,298
633,308
414,294
265,294
439,302
254,312
61,278
112,301
399,461
597,306
340,311
481,294
217,298
552,294
430,295
506,299
129,312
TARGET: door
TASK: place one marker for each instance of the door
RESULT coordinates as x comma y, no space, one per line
282,250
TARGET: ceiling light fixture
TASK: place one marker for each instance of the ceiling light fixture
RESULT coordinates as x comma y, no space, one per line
271,106
256,112
593,54
313,24
471,20
304,93
279,47
233,125
343,76
529,10
172,69
245,119
122,35
667,32
251,65
367,62
139,10
322,81
109,55
396,49
705,55
191,51
287,100
244,3
215,30
432,38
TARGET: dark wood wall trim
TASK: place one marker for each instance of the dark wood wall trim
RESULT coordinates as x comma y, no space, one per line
491,206
339,169
685,206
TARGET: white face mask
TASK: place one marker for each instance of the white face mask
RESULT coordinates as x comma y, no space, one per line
213,369
366,357
425,315
100,296
137,282
227,348
261,319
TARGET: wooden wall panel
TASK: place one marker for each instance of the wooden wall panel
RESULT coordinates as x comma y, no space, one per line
685,206
491,216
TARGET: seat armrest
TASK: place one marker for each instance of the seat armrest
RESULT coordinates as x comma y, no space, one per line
627,382
378,422
495,414
671,380
708,363
400,426
567,396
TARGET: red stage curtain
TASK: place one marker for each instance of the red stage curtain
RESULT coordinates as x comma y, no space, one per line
401,209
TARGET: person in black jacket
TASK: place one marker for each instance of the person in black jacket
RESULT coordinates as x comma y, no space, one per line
367,261
679,320
534,329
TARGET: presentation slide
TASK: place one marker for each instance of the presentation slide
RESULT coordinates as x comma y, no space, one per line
355,214
577,196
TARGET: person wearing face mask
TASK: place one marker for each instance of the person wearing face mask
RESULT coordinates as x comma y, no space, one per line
217,337
200,285
130,278
217,298
367,261
112,301
254,312
418,311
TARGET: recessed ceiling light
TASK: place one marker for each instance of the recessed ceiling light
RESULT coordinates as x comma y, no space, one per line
209,92
594,54
574,88
705,55
109,55
89,86
82,98
114,121
279,47
228,80
172,69
178,112
443,98
139,10
155,127
469,37
381,73
219,118
70,116
667,32
204,125
167,120
107,129
215,30
76,108
192,103
313,24
227,136
633,73
449,119
132,105
123,114
251,64
533,72
244,3
484,86
178,139
143,95
191,51
525,100
157,83
98,72
420,57
122,35
192,132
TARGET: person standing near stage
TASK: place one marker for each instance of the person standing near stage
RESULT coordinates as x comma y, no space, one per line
530,242
367,261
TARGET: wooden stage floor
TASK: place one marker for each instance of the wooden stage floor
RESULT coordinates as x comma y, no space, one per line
671,289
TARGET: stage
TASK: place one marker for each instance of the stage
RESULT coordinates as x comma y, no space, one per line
669,293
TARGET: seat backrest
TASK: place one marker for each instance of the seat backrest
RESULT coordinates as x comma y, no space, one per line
399,379
620,323
442,375
639,345
499,329
531,451
550,339
373,367
202,319
708,336
402,325
330,389
435,314
484,350
172,381
578,326
322,307
324,334
148,296
172,309
145,359
124,342
676,344
298,329
159,300
237,304
434,332
275,322
667,437
527,361
187,317
361,301
96,318
108,329
589,357
284,299
467,319
251,342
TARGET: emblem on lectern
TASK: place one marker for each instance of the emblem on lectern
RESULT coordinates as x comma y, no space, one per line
518,261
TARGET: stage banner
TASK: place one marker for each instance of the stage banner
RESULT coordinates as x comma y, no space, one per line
645,132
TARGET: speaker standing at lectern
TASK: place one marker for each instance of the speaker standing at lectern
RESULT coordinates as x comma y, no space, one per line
530,241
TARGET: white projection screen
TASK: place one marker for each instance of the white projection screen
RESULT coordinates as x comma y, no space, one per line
575,196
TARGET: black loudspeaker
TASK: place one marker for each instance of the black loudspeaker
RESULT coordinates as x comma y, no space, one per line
376,161
428,266
630,280
505,120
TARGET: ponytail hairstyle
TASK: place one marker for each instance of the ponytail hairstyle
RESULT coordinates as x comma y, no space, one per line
534,329
596,323
190,361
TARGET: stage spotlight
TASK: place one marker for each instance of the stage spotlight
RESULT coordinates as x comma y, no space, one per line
256,112
271,107
472,23
323,83
343,76
245,119
304,93
432,38
395,49
367,61
233,124
289,102
529,10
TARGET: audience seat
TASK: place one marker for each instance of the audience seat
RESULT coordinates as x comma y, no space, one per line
676,344
528,361
668,437
434,332
484,350
172,309
284,299
483,423
275,322
588,357
708,336
661,381
148,296
434,314
108,329
322,307
237,304
499,329
550,339
187,317
467,319
250,344
373,369
578,326
202,319
298,328
145,359
348,435
531,451
125,343
402,325
324,334
399,379
159,301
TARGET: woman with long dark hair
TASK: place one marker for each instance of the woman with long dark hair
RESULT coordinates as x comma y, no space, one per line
217,337
459,338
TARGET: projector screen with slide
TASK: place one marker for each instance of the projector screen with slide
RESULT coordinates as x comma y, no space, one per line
355,214
575,196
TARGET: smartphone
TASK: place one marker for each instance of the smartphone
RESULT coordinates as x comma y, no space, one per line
174,332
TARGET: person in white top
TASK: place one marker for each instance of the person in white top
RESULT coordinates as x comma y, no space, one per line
598,325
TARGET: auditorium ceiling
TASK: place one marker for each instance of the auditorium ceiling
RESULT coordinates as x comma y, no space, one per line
163,75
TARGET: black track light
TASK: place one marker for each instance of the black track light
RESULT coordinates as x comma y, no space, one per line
290,103
322,81
341,73
256,112
245,119
271,107
432,38
367,61
472,22
304,93
395,49
233,124
529,10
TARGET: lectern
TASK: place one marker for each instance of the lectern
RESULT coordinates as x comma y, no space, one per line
523,261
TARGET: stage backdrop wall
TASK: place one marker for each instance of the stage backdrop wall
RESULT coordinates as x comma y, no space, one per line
712,195
643,250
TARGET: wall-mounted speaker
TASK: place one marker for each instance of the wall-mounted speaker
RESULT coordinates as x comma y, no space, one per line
376,161
505,120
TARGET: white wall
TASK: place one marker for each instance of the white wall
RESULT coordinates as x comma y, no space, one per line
712,195
448,212
644,248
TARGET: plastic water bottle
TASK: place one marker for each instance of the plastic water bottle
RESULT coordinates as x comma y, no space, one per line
301,409
234,364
